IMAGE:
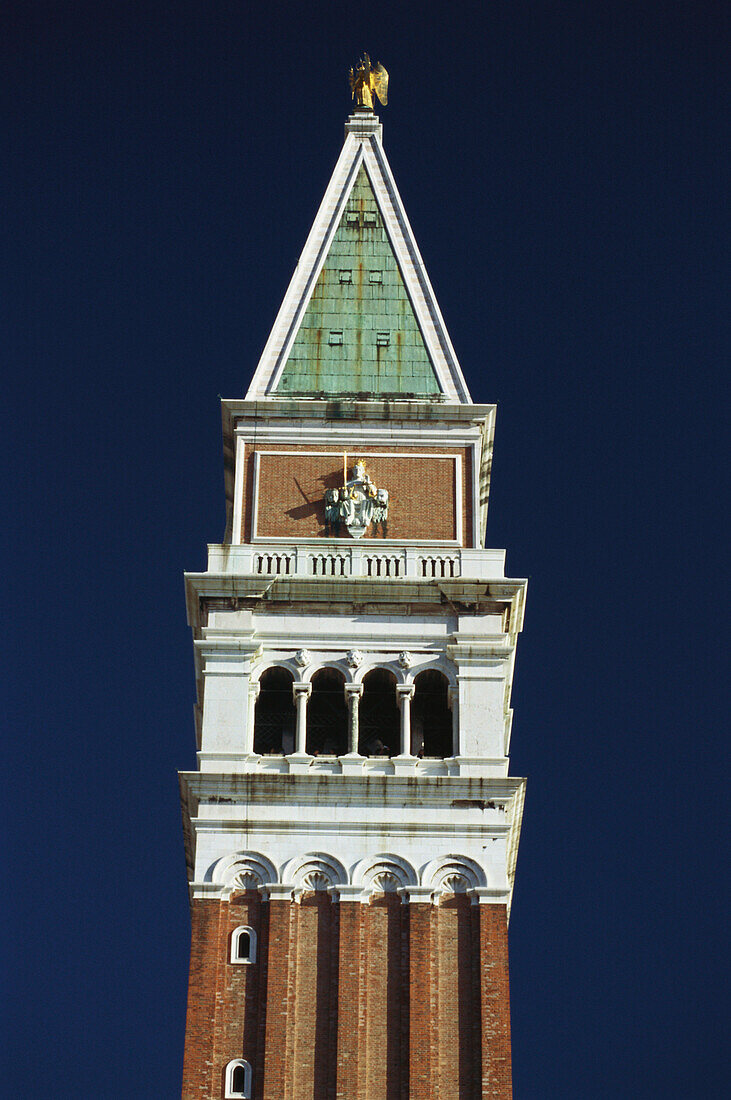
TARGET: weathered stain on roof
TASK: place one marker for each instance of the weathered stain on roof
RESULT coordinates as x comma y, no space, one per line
359,333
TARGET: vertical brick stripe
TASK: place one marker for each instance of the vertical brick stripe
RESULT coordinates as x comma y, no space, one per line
495,1002
420,993
349,1015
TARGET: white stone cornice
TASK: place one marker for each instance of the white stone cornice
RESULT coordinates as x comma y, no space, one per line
368,789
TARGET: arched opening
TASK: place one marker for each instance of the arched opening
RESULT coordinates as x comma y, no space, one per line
431,718
327,714
379,718
274,715
238,1080
243,945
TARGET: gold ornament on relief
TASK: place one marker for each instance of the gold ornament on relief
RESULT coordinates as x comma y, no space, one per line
367,79
356,504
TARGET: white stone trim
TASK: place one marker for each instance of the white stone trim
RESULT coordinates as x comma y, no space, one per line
314,872
477,540
383,874
374,874
241,561
240,871
453,874
255,500
239,478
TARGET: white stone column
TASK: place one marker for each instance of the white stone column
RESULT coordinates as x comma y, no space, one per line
353,693
254,689
404,695
301,694
452,703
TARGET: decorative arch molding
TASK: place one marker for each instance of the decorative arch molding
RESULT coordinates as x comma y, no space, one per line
314,872
265,664
242,871
439,663
383,874
452,874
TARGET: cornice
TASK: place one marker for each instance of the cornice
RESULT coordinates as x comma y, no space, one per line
372,790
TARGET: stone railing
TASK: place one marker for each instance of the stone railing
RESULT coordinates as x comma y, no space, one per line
338,559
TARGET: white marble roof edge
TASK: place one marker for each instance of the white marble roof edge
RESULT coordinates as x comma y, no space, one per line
446,351
309,265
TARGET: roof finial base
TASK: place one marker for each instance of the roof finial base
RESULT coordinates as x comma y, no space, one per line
363,123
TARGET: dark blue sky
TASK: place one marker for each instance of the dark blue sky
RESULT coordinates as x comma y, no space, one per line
565,170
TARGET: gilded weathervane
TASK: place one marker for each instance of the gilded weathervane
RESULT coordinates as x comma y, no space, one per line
365,80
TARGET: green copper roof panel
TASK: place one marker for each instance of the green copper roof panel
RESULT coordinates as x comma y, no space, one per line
359,333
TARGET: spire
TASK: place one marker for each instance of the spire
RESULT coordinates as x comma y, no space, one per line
360,316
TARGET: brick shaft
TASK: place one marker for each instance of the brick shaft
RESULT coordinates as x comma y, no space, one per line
384,1001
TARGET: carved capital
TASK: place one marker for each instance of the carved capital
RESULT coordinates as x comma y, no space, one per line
299,689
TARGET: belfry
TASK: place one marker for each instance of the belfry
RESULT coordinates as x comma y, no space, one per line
351,831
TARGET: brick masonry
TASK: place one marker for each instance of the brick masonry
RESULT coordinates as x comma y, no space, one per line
422,490
384,1001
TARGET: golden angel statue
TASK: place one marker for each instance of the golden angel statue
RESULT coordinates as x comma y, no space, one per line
367,79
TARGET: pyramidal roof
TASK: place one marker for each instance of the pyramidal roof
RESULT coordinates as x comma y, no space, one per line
360,316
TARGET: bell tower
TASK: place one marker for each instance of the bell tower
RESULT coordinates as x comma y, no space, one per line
351,830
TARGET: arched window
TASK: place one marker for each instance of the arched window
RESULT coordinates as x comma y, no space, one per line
327,714
274,716
431,718
379,721
238,1080
243,945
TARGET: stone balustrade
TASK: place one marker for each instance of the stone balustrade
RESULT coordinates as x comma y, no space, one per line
336,558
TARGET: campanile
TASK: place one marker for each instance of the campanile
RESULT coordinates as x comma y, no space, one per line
351,830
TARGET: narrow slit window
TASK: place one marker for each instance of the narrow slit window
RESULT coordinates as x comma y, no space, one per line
336,338
383,339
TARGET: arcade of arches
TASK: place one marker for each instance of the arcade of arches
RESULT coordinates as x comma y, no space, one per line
328,717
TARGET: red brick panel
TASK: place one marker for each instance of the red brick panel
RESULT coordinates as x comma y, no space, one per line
277,1024
350,1002
495,1000
386,999
422,1003
422,495
202,988
223,996
314,1058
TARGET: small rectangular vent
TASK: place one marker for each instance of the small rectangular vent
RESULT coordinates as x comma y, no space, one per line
370,218
346,276
335,338
352,218
375,276
383,339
